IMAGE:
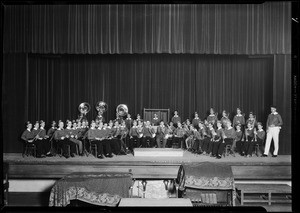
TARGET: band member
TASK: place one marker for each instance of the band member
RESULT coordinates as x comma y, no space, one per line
259,137
170,134
198,143
189,136
178,135
161,135
98,137
274,124
176,119
27,135
155,120
196,120
239,139
44,138
124,133
217,138
251,120
148,132
50,134
134,136
62,137
206,145
39,140
189,141
116,143
73,135
138,118
225,118
229,136
106,142
128,121
212,117
99,118
238,118
248,143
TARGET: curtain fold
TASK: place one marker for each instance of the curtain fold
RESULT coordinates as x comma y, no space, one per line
52,87
137,28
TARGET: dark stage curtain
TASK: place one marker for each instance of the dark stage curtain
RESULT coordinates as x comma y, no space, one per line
51,87
138,28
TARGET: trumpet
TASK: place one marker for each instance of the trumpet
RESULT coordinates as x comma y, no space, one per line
255,135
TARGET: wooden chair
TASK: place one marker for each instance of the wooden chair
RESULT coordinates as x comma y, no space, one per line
29,149
228,150
93,147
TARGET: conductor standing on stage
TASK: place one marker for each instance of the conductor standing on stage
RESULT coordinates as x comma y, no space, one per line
274,124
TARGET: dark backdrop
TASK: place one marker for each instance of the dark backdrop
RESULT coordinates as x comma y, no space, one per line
52,86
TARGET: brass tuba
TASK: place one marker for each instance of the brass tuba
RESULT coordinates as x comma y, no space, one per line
84,108
101,107
122,110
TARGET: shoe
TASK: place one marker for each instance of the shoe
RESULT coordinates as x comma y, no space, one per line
66,156
49,155
219,156
264,155
274,156
109,156
72,155
100,156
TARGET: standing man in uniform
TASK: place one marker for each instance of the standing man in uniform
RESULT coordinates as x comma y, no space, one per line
274,124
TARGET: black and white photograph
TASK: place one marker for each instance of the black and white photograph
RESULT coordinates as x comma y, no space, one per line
149,106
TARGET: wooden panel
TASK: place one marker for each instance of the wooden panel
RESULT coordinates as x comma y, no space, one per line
262,172
58,171
240,172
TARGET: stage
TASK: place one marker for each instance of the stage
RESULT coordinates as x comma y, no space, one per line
243,168
32,178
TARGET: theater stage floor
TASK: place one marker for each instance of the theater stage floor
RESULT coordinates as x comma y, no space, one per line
129,158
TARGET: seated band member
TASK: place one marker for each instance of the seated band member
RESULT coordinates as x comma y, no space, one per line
239,139
61,136
73,135
260,136
116,143
41,145
206,145
212,117
225,118
44,138
217,138
176,119
99,137
134,137
178,135
248,143
27,135
170,134
238,118
50,134
138,118
189,132
148,135
162,132
198,142
251,120
124,132
196,120
229,136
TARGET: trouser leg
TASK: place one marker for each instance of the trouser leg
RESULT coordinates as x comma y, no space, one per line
275,133
268,141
